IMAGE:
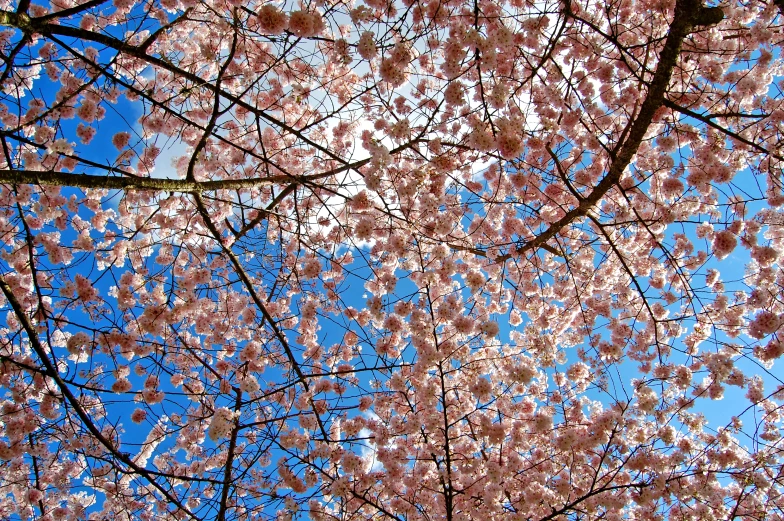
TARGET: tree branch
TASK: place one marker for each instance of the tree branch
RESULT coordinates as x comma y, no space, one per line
38,348
688,14
708,121
32,177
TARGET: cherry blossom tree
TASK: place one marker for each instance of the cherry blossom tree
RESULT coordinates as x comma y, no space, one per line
416,259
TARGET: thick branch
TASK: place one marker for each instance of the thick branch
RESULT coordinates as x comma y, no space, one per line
688,14
251,290
35,343
734,135
32,177
65,13
227,484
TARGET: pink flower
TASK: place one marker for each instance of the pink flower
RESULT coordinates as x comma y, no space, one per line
453,94
364,228
311,269
85,133
464,325
490,328
34,495
366,46
60,146
578,372
305,24
123,5
272,20
392,72
755,392
481,139
510,144
88,111
723,243
249,384
88,22
764,255
222,424
475,280
138,415
481,389
76,342
251,352
153,396
672,187
765,323
121,139
365,402
542,422
772,351
123,385
499,96
523,371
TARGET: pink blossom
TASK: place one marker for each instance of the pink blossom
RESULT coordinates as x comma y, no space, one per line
475,280
121,140
755,392
391,259
578,372
765,323
249,384
464,325
153,396
87,111
481,139
672,187
60,146
543,422
272,20
222,424
364,228
490,328
311,269
122,385
77,341
366,46
509,143
453,94
392,72
481,389
34,495
305,24
138,415
723,243
88,22
123,5
764,255
85,133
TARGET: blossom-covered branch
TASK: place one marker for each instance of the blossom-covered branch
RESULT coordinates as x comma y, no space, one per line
384,259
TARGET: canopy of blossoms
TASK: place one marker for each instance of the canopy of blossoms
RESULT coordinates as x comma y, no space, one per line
391,259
